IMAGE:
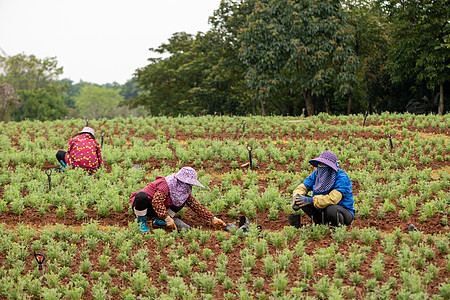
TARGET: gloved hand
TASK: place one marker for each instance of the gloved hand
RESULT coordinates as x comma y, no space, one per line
300,201
170,223
218,223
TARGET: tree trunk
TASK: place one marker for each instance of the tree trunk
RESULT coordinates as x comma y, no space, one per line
327,105
309,103
441,100
349,106
263,109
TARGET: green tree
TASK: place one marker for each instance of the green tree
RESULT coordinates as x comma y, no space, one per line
43,104
98,101
32,78
166,83
224,88
369,26
298,45
8,100
130,90
419,47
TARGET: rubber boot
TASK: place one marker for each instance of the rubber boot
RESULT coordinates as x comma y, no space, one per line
159,222
63,164
294,220
142,221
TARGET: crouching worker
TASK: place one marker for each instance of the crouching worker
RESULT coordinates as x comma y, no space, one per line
165,196
332,196
83,152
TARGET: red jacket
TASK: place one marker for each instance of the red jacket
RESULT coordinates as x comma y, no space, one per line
159,199
84,152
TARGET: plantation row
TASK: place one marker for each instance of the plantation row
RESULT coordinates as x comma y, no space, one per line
399,165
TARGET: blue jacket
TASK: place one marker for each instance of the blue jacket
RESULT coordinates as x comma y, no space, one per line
342,184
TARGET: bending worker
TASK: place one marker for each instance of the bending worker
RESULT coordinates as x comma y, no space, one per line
83,151
332,196
165,196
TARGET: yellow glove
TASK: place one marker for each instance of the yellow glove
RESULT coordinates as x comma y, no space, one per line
301,190
170,223
322,201
218,223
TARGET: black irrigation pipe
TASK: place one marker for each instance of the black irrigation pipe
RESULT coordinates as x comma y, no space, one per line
49,176
243,126
103,136
48,171
40,257
390,140
249,148
365,116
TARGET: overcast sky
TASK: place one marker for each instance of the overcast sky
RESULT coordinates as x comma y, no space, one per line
98,41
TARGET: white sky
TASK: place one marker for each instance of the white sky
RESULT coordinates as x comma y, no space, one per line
98,41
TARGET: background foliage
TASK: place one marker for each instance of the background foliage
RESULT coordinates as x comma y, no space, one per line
268,57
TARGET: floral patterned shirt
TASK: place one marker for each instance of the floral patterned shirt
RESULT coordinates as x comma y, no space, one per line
84,152
159,197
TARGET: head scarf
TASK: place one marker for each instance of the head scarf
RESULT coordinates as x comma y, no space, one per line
179,191
325,178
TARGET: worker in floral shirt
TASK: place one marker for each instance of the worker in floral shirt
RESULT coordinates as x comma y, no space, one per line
83,152
165,196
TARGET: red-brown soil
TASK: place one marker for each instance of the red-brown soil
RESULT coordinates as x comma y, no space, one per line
388,224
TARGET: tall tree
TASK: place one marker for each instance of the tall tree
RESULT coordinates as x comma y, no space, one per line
300,45
369,27
8,100
95,101
419,51
166,83
31,77
223,88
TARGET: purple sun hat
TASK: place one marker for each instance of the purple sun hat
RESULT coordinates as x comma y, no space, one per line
189,176
328,158
88,130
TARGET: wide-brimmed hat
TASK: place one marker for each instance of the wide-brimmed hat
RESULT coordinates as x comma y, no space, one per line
188,175
88,130
328,158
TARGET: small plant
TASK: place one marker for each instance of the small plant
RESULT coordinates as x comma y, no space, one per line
307,265
228,284
207,281
270,265
322,287
280,282
277,239
356,278
260,247
377,267
85,266
207,253
258,283
341,269
442,245
139,281
340,234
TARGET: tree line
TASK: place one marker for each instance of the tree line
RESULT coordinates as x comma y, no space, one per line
287,57
30,89
305,56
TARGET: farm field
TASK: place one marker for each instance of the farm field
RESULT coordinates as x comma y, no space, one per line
399,165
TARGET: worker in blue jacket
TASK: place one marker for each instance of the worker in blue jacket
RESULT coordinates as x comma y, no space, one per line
332,196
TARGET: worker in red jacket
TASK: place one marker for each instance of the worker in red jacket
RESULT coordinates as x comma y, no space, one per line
165,196
83,152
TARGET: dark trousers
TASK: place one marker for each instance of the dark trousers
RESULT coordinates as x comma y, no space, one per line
142,202
333,214
61,155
